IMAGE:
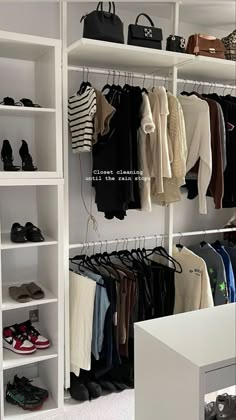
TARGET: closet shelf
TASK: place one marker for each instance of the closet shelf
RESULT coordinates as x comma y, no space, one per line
93,53
25,181
23,111
7,244
209,69
24,47
23,175
13,412
11,359
10,304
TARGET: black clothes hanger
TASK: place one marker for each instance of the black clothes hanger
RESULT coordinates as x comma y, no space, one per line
107,85
203,242
84,84
160,250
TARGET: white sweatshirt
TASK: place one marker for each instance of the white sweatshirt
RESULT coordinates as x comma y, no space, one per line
192,286
82,295
198,133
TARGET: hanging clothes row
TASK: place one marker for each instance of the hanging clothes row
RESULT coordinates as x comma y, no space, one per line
109,292
211,136
144,142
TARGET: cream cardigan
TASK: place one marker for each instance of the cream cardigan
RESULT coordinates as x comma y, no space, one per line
177,136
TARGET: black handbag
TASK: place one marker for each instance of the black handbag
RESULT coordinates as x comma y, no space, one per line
176,43
145,36
102,25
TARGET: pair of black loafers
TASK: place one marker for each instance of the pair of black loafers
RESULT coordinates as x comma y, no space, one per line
29,232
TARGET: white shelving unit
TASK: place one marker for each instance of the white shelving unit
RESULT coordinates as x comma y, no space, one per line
31,68
105,56
188,355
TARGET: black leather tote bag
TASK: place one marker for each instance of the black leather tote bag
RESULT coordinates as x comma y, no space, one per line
103,26
145,36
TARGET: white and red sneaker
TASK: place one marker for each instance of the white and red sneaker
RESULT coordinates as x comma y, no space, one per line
33,335
15,341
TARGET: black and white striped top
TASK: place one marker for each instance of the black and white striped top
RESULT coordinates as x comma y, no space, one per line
81,110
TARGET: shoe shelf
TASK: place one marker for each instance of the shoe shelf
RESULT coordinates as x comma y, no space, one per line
13,412
21,111
44,375
12,360
34,75
9,304
30,67
6,242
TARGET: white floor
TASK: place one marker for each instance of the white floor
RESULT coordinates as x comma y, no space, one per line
118,406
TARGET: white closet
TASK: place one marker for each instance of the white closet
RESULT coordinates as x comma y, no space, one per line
97,58
30,68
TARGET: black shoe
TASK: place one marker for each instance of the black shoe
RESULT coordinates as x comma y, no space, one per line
78,390
18,396
120,386
25,384
107,385
7,157
18,233
94,389
27,161
33,233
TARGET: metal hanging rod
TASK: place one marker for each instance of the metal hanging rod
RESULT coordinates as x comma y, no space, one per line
203,232
149,238
212,84
117,241
119,73
144,76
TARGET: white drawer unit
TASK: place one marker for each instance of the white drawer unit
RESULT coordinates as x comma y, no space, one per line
180,359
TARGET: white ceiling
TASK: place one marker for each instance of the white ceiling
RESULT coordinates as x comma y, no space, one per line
214,14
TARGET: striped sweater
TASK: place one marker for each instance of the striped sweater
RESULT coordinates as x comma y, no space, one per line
81,111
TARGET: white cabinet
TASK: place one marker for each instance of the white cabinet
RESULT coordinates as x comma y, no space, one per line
180,359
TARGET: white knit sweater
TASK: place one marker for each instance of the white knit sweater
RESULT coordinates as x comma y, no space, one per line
198,132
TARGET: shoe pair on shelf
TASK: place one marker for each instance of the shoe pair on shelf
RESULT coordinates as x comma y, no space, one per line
24,394
29,232
8,101
24,338
26,158
26,292
223,408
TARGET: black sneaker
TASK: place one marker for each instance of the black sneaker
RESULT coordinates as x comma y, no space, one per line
226,407
25,384
210,411
22,398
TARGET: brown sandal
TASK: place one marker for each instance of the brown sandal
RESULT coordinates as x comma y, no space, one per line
20,293
35,291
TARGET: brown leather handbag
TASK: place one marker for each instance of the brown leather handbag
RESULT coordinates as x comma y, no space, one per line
205,45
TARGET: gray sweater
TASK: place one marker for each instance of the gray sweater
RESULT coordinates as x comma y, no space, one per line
216,271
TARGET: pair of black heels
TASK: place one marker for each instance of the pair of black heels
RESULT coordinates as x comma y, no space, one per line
7,158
